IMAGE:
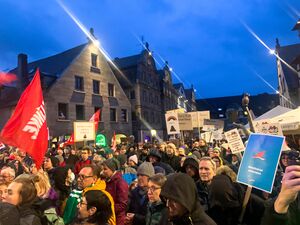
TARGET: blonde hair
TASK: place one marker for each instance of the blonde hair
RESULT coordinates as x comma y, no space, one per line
43,185
226,170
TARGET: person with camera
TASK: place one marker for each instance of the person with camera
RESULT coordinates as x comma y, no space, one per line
286,208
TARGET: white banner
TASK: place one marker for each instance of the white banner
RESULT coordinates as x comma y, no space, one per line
185,121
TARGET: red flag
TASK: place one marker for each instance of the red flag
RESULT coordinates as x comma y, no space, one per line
27,127
114,142
6,78
96,118
70,140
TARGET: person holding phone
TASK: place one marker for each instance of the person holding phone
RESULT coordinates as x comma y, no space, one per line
286,208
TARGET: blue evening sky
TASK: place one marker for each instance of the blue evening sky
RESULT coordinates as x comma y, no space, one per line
204,41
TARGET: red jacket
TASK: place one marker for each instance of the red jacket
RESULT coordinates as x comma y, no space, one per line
79,164
118,189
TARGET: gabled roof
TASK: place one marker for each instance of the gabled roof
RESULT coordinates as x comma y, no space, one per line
289,53
126,62
52,67
188,93
178,86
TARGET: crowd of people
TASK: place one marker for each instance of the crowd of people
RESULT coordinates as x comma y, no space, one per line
142,184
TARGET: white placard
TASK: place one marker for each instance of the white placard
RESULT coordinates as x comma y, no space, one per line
172,123
235,141
218,124
185,121
266,127
198,118
84,131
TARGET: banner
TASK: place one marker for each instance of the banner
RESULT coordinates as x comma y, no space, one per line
235,141
213,123
172,123
260,161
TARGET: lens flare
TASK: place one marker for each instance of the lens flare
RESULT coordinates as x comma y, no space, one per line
92,39
267,47
269,85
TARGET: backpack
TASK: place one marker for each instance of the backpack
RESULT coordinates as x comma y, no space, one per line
50,217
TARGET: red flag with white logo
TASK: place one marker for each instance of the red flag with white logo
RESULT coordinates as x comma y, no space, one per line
27,127
96,118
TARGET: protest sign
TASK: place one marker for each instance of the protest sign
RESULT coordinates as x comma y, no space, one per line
267,127
235,141
217,124
101,140
172,123
198,118
185,121
84,131
260,161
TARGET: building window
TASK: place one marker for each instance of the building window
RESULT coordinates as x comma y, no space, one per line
113,115
62,111
79,83
132,94
144,96
94,60
152,120
96,86
80,112
124,115
96,109
111,90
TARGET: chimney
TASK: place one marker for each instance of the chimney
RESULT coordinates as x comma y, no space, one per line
22,72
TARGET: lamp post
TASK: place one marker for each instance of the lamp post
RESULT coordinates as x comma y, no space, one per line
245,103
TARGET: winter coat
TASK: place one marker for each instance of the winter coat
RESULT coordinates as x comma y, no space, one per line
118,189
225,203
182,189
157,214
292,217
101,186
173,161
80,164
29,216
138,202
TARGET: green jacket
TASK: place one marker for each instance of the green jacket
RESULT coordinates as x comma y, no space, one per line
157,214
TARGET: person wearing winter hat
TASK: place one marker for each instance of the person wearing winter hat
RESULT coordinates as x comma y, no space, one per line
133,161
137,210
117,187
155,158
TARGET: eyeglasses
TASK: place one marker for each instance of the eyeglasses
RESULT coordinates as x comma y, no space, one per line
82,203
152,189
82,177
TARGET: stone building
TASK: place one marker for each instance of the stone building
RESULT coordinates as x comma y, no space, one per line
75,83
289,76
138,77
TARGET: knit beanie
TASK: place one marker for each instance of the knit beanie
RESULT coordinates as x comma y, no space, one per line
146,169
112,164
134,159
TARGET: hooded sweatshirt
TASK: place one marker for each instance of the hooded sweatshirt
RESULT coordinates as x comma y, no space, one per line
182,189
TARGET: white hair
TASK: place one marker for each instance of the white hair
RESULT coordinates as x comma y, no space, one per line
10,171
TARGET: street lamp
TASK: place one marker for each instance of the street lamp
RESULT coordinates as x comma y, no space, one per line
245,103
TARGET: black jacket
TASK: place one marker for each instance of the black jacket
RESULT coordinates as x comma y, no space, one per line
182,189
292,217
138,201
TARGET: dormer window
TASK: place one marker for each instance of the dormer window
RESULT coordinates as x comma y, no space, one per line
94,63
94,60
